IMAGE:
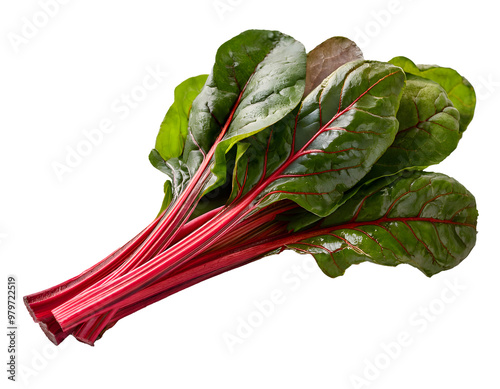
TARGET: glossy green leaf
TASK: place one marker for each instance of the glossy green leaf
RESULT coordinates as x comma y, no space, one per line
257,79
428,132
428,129
427,220
173,130
459,90
172,135
342,128
262,154
327,57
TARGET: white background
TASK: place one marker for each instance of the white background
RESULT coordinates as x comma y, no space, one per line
68,76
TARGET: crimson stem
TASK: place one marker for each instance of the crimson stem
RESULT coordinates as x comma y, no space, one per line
96,299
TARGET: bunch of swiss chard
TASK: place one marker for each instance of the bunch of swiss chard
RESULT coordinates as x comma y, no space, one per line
321,153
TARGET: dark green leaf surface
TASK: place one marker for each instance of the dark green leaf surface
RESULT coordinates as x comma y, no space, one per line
262,154
459,90
342,128
427,220
257,79
428,132
428,129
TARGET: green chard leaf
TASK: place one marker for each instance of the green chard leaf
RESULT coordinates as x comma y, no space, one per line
459,90
427,220
172,137
257,79
428,129
173,130
323,60
428,132
338,133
